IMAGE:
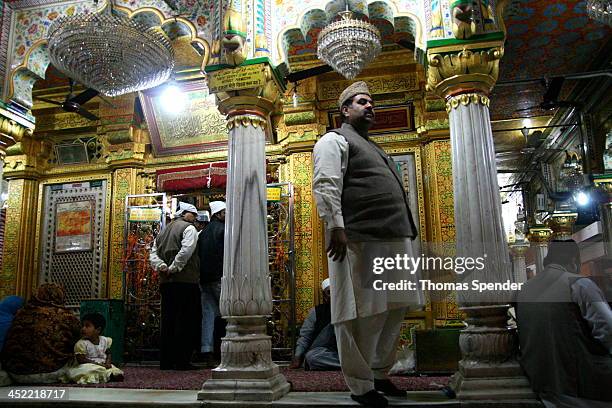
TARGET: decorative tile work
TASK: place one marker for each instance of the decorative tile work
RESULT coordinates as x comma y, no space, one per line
123,180
31,25
408,332
307,273
545,39
309,269
5,27
440,187
186,8
8,275
441,219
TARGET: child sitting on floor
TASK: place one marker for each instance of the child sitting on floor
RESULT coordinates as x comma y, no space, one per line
93,354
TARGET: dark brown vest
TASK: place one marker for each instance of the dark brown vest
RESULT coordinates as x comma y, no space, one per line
558,352
374,203
169,244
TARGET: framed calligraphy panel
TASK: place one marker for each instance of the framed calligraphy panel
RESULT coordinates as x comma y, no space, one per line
199,127
391,119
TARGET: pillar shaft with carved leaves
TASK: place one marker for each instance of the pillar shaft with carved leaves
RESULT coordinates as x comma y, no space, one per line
463,73
21,158
246,372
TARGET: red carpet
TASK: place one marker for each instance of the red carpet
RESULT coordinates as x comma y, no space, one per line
153,378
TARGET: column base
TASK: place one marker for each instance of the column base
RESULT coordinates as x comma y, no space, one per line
246,372
502,386
489,370
230,391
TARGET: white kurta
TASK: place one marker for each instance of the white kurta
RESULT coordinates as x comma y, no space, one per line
352,280
367,321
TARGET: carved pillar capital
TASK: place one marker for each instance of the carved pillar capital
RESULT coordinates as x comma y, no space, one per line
126,148
26,159
464,99
126,143
13,128
460,69
562,224
252,88
540,235
519,249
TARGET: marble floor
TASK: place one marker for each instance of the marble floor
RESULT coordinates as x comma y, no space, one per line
105,397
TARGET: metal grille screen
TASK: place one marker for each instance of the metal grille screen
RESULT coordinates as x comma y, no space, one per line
80,271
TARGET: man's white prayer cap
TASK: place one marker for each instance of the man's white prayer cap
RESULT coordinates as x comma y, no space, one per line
216,206
186,207
203,216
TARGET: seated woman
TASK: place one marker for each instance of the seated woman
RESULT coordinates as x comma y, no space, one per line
93,354
39,345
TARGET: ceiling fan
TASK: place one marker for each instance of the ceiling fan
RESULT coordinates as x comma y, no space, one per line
550,100
73,103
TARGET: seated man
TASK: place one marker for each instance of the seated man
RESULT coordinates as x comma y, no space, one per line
317,342
565,333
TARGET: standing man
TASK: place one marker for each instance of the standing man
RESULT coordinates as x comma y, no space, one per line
210,247
360,197
173,255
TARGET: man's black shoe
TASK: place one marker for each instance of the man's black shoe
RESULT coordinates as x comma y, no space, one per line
371,399
388,388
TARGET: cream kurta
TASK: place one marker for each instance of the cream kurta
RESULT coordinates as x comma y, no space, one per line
352,280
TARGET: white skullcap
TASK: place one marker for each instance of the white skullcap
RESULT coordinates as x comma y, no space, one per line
203,216
185,207
216,206
325,284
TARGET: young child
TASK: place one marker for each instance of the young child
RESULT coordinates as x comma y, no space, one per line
93,354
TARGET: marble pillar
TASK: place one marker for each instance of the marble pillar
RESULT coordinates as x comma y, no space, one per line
489,370
246,372
479,226
519,268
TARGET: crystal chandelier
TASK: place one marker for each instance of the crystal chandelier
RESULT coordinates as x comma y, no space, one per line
348,44
600,10
110,53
